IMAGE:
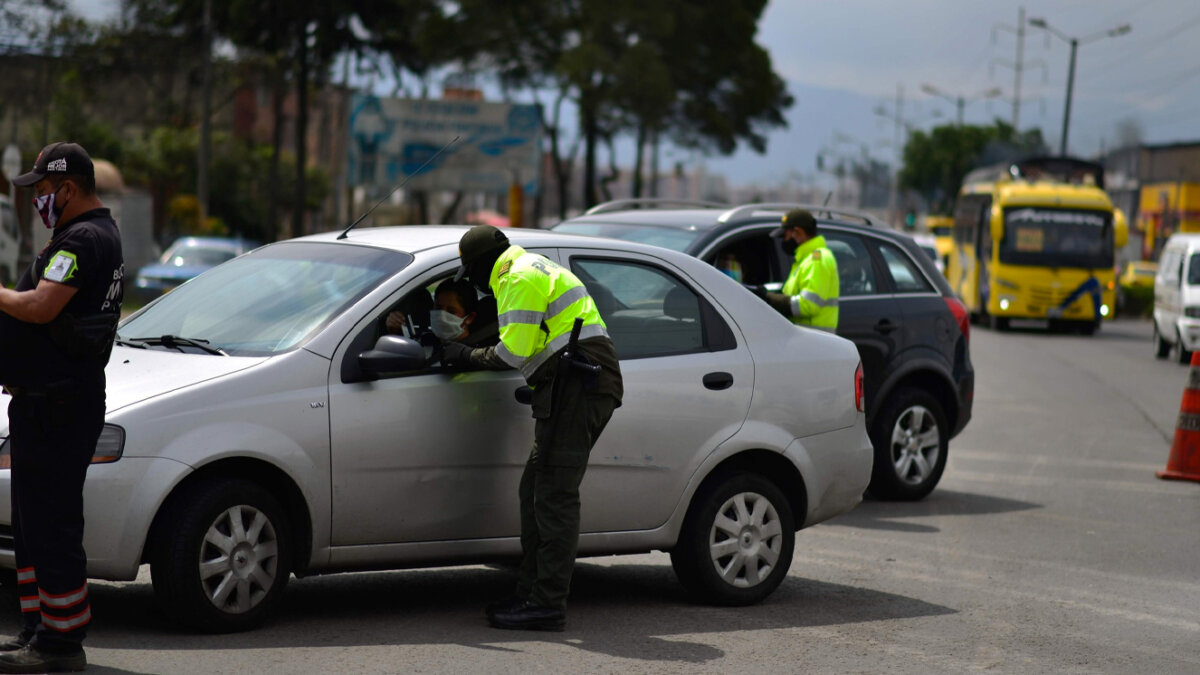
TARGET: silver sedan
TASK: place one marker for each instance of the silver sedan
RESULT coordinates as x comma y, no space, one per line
262,422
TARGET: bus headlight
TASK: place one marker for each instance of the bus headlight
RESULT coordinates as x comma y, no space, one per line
1103,310
1004,303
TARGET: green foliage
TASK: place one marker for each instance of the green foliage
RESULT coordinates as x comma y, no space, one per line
936,162
166,163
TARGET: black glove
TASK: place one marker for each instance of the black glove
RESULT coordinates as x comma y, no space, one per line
456,354
760,291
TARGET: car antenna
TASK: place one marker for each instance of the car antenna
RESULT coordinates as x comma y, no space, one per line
398,186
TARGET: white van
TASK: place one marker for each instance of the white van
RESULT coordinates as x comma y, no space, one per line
10,243
1177,298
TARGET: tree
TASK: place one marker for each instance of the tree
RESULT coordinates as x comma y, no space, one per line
936,162
688,67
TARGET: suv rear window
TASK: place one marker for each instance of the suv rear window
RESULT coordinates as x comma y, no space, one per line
905,275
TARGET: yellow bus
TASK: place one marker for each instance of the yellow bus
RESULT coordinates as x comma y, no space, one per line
1036,239
941,227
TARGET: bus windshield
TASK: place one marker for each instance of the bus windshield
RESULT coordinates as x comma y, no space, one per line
1057,237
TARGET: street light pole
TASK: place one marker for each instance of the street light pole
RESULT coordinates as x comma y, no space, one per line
1062,147
960,101
1038,22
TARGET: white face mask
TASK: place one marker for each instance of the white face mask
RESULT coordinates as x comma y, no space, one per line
445,325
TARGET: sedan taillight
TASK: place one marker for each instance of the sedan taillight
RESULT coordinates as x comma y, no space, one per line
860,392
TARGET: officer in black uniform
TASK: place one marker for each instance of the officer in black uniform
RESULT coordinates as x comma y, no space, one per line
56,333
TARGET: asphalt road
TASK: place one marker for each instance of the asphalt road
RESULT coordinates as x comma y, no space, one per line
1049,547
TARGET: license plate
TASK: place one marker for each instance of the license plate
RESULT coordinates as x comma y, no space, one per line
1054,312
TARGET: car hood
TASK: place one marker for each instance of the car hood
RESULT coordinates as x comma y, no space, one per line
172,271
134,375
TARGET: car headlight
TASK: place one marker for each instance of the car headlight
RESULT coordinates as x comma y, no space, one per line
1005,283
109,447
1193,312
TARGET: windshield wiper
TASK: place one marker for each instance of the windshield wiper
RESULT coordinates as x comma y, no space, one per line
178,342
124,342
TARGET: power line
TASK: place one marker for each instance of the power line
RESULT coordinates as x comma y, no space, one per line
1156,42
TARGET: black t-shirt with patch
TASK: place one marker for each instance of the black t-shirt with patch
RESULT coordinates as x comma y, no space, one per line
84,253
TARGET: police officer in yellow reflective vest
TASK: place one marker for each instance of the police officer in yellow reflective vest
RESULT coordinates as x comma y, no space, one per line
810,294
538,303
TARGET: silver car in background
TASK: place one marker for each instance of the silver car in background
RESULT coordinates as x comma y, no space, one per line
261,424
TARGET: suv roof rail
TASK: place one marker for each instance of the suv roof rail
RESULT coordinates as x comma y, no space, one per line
637,202
841,214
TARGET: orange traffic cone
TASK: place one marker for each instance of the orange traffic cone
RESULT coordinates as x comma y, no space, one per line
1184,462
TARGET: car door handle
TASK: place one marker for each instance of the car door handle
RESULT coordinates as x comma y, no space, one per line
718,381
884,326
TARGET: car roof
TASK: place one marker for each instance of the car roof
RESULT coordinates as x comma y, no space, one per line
419,238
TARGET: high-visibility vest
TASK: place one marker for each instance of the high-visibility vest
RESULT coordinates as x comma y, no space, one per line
813,286
537,301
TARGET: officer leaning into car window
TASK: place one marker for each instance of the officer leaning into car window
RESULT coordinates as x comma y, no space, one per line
57,329
538,303
810,294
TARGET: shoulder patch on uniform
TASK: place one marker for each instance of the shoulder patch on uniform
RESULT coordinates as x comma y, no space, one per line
504,268
62,267
816,255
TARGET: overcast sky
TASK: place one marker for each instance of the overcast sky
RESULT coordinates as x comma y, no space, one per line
843,62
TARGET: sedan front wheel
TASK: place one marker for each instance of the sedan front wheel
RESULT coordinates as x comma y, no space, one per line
221,557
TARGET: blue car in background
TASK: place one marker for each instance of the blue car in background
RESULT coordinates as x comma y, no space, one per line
184,259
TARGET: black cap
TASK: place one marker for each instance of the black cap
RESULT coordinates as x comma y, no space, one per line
477,242
801,218
63,159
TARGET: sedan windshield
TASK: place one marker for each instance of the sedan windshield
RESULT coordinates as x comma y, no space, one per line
674,238
1057,238
1193,275
270,301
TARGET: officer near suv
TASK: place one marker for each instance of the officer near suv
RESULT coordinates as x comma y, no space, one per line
809,296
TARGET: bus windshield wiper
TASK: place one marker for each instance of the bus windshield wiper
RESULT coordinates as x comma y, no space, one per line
178,342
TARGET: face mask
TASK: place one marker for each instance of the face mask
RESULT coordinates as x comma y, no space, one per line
445,325
45,208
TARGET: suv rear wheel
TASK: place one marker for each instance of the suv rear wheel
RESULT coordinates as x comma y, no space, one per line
737,540
911,439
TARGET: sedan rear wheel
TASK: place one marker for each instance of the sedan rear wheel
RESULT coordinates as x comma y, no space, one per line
221,557
911,439
737,540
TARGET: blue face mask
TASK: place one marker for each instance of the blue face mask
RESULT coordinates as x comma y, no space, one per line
45,208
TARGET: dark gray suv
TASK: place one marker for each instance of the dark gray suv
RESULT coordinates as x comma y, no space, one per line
911,331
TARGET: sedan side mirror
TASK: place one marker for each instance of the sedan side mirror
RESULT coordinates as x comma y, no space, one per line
392,354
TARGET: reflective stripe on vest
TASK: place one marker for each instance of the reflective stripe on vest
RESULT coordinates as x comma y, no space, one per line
537,303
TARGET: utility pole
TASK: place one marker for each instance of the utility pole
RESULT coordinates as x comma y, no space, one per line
205,112
1019,65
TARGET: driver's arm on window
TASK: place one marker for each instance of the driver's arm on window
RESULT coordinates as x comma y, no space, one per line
42,304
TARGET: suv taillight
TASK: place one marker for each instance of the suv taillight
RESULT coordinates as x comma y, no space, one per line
959,311
860,393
